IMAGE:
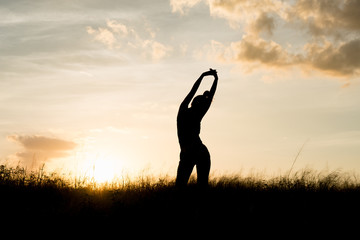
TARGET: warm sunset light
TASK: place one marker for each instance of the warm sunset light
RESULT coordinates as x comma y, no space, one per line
180,117
97,85
104,171
98,168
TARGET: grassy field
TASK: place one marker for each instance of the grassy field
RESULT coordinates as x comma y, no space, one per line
306,197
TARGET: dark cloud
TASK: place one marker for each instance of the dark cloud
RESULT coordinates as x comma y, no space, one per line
264,23
334,59
327,17
251,49
340,60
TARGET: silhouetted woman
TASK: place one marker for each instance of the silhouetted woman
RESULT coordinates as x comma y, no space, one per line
193,151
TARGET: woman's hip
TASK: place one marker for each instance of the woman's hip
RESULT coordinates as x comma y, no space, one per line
195,152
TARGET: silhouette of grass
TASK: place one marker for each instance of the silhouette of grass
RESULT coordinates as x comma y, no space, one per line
306,195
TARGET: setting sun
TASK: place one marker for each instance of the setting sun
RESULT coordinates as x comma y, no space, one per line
105,170
100,165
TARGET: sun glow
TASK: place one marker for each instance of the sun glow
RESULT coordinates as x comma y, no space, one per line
104,170
101,158
101,168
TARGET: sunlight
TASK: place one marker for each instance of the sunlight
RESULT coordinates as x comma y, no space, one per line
104,170
100,168
101,158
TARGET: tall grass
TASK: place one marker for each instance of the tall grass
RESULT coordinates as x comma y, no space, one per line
306,194
304,179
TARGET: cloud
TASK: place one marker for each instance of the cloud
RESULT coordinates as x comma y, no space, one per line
238,10
182,5
158,50
252,49
342,60
263,23
117,35
319,16
41,148
103,35
327,17
330,34
117,27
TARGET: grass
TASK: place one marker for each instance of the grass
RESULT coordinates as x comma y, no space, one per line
306,196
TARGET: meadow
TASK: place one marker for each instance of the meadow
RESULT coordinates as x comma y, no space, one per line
303,198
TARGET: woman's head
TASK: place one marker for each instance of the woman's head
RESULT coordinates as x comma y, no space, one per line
200,100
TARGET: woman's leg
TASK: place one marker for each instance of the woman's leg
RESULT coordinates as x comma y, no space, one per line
203,166
184,170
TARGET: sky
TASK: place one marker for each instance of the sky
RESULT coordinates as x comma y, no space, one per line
93,87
